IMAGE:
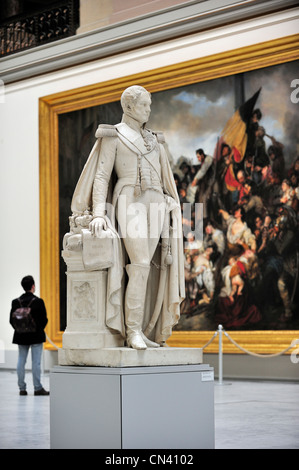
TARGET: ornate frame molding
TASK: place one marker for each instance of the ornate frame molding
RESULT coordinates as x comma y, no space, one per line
190,17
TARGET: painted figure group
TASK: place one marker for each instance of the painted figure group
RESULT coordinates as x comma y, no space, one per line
242,271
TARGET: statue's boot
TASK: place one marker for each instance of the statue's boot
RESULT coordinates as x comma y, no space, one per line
134,304
148,342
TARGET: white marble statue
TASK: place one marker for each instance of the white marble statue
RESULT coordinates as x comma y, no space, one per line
126,218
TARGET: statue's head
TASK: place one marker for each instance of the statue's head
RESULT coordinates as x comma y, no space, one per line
136,103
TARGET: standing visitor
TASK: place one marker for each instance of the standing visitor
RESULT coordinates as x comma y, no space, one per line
30,335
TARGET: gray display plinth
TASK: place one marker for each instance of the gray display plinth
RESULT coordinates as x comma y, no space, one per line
155,407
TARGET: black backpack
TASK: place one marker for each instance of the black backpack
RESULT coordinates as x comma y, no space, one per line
21,319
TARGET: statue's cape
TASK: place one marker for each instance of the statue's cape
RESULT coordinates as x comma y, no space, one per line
174,291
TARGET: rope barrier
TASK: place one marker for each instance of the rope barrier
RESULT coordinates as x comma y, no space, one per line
51,342
221,330
210,341
256,354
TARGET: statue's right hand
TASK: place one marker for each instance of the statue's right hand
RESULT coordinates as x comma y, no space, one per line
97,225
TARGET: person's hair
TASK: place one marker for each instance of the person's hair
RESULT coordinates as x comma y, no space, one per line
258,113
223,146
184,165
271,149
287,181
210,222
27,282
242,210
215,253
252,185
200,151
261,128
131,95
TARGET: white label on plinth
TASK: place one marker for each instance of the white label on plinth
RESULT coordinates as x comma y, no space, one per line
207,376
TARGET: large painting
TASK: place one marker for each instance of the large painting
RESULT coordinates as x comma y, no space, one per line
233,146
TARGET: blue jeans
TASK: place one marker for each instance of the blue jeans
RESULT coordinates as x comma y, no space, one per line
36,354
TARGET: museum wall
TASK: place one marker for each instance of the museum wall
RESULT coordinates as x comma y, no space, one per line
96,14
19,151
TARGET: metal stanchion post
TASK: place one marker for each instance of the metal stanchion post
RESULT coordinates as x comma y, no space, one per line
220,358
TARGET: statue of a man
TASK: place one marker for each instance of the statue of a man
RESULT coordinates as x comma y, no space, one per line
129,169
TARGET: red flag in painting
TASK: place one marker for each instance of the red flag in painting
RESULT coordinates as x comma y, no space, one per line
234,135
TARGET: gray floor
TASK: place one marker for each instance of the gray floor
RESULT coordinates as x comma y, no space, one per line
248,415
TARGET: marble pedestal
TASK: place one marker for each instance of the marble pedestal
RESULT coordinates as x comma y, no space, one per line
86,306
165,407
87,341
127,357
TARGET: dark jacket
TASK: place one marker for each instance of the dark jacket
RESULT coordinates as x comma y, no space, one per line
39,314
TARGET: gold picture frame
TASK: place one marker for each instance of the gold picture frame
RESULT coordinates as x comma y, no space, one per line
50,107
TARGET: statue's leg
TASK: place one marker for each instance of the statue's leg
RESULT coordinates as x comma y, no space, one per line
140,246
134,304
138,271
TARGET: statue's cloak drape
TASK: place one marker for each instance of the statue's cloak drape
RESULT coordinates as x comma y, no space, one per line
173,275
